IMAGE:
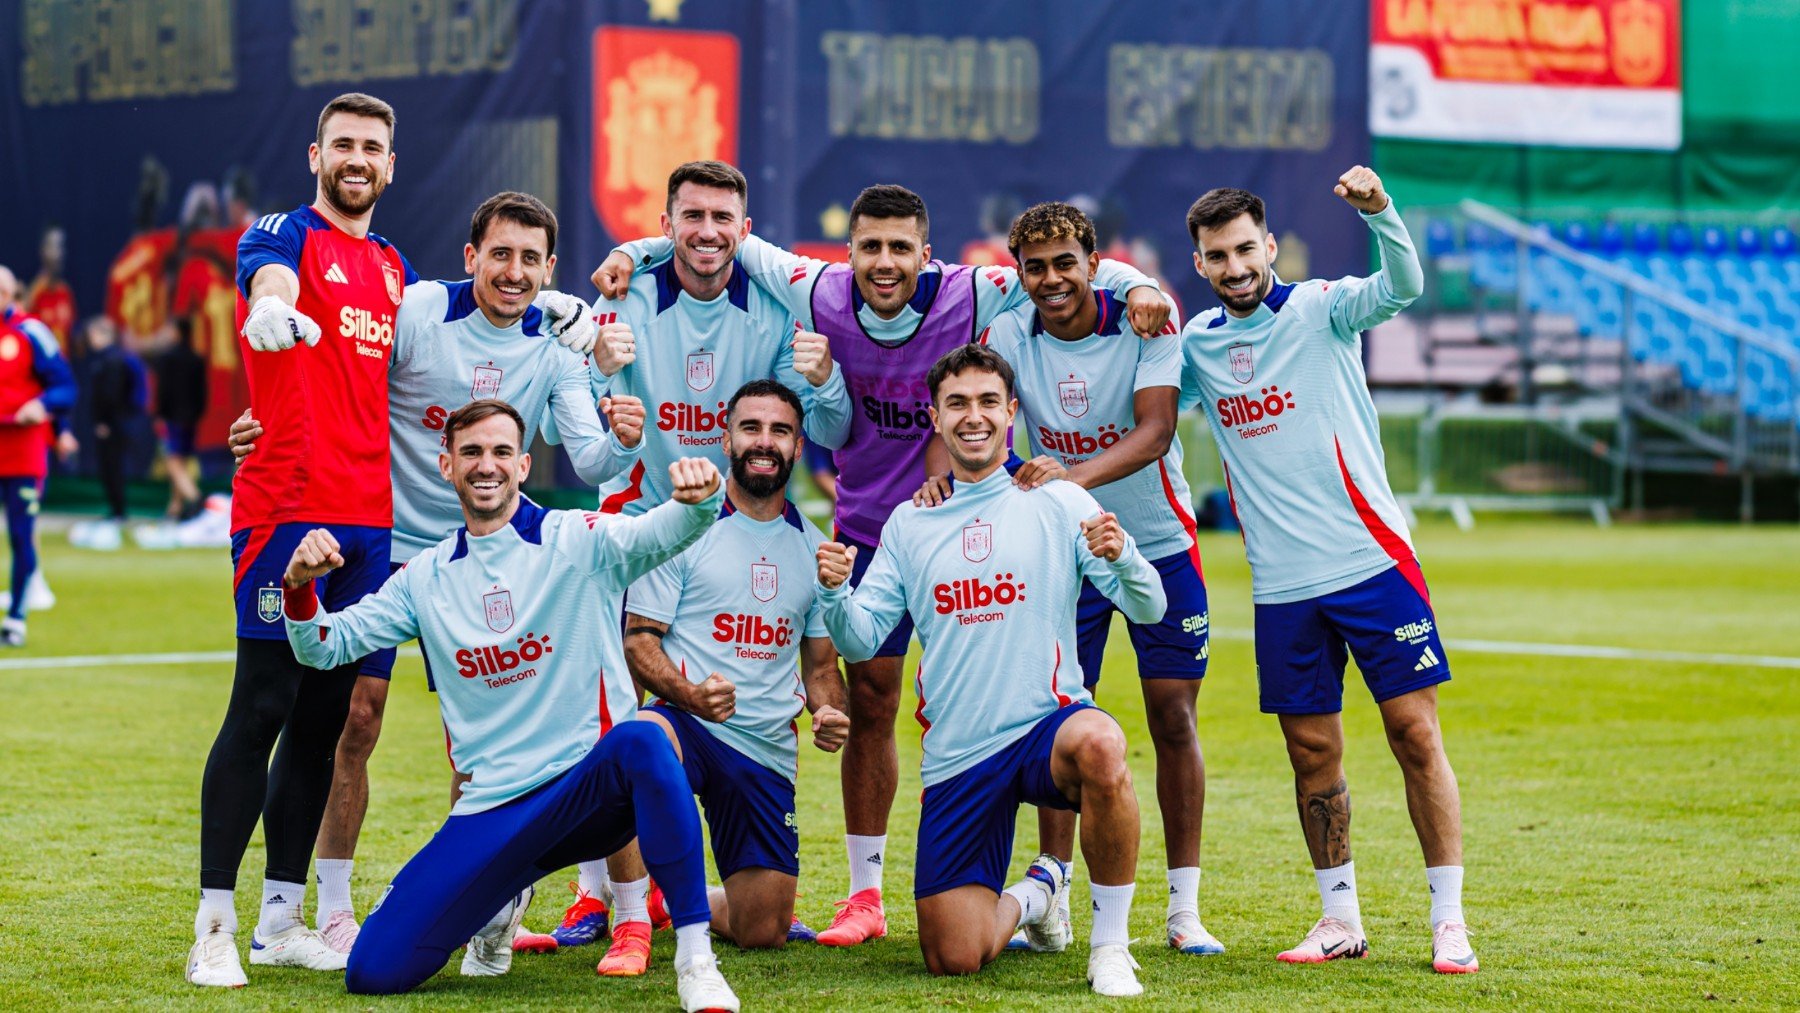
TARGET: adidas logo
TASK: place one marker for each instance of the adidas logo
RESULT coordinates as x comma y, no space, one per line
277,899
1341,886
1427,660
875,859
336,273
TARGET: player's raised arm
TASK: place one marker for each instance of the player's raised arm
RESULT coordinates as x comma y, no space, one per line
629,547
1358,304
268,275
1109,558
859,622
326,640
806,368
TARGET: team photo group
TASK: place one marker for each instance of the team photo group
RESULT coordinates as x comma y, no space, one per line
1001,445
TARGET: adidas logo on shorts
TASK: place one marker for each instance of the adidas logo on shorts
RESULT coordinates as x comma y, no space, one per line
1427,660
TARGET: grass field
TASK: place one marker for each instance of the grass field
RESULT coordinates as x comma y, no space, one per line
1632,825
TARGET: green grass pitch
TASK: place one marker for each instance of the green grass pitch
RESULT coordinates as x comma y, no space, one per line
1631,825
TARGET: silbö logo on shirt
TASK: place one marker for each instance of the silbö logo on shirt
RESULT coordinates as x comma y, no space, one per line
1255,416
756,638
501,665
967,596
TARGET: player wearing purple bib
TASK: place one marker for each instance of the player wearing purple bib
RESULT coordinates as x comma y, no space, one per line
729,638
1102,404
888,314
994,576
1333,574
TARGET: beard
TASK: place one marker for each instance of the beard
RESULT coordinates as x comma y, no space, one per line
1245,303
347,204
761,486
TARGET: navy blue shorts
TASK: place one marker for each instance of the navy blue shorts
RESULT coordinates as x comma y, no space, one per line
1386,622
259,556
749,808
627,785
966,822
896,643
178,440
1174,647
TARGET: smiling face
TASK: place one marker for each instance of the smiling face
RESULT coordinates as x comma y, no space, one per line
887,255
762,442
353,162
706,224
1234,258
972,413
510,268
486,465
1058,275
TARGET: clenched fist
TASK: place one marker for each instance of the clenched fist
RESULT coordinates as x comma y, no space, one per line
613,276
812,356
317,555
831,728
616,347
1105,538
1148,310
1361,189
835,561
713,700
570,320
274,326
625,414
693,478
244,434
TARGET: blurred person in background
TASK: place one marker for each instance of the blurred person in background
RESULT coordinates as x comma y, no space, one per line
35,388
117,393
180,404
50,298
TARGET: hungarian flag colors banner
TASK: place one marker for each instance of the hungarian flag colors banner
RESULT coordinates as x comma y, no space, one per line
1578,73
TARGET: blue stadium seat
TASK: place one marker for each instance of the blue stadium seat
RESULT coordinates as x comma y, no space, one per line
1712,241
1493,259
1681,239
1611,241
1440,238
1781,241
1749,242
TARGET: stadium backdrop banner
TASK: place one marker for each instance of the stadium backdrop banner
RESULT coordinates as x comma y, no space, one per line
1131,108
1599,73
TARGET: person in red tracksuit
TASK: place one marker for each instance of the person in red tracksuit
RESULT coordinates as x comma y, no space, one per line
36,387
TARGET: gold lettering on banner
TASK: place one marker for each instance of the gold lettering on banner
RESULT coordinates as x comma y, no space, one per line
928,88
364,40
125,50
1205,98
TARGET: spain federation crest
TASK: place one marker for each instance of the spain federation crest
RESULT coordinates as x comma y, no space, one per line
395,286
268,604
764,581
699,370
1073,395
1243,367
487,382
978,542
497,605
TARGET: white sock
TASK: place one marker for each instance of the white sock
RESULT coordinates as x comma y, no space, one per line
691,941
334,886
1184,892
631,901
1034,900
591,877
865,861
218,911
1112,914
1337,893
1445,882
282,906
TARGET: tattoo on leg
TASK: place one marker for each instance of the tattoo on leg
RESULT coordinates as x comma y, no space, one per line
1325,818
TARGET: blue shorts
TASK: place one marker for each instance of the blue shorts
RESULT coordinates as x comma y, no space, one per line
259,556
966,822
818,458
628,784
749,808
1386,622
178,440
1175,647
896,643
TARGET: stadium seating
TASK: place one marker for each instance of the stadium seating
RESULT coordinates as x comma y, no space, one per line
1749,274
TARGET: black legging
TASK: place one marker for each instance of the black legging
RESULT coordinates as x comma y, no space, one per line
271,695
112,472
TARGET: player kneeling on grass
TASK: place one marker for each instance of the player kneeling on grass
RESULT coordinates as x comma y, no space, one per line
993,576
505,609
715,634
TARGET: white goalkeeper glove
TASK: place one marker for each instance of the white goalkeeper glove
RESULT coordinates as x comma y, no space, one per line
570,321
274,326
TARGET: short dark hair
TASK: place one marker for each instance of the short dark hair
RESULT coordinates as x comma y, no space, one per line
890,200
476,411
963,358
1049,222
357,104
708,173
765,387
1216,207
518,208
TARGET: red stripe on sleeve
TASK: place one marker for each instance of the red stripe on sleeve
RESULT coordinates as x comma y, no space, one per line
1390,543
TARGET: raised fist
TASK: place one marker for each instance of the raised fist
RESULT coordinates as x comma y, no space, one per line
1361,189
